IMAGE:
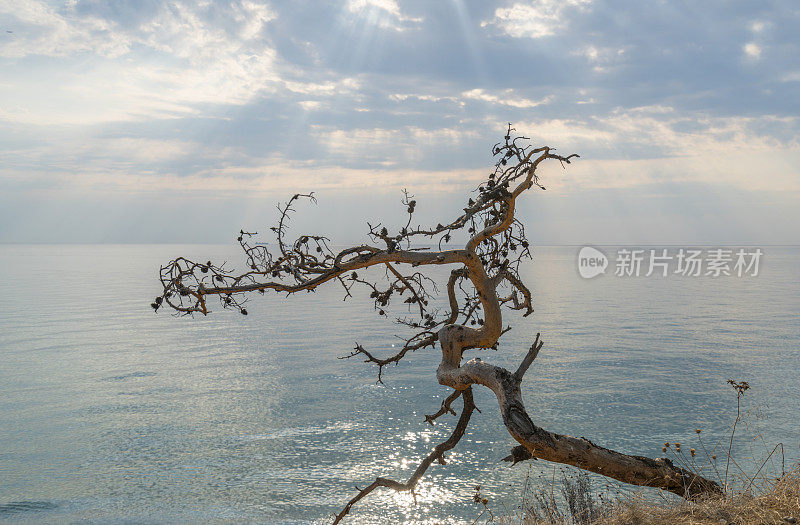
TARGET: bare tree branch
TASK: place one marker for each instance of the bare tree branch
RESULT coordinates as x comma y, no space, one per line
528,359
436,455
445,408
410,346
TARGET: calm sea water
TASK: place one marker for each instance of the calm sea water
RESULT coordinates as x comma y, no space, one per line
111,414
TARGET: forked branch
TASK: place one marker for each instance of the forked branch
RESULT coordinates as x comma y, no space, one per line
445,408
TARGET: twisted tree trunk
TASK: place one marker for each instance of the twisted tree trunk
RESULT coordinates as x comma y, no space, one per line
536,442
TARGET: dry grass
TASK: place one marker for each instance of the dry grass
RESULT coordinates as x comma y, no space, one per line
779,504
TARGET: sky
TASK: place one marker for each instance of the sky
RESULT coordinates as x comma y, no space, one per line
149,121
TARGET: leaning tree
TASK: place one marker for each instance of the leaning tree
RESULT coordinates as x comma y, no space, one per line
484,279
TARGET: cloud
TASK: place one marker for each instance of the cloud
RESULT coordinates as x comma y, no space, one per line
401,97
602,58
41,30
661,132
177,56
752,50
181,30
507,98
275,177
384,13
626,149
649,145
537,19
400,149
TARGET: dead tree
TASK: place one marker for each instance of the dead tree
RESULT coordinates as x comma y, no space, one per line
484,280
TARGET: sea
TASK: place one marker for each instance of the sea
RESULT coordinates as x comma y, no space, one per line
112,413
